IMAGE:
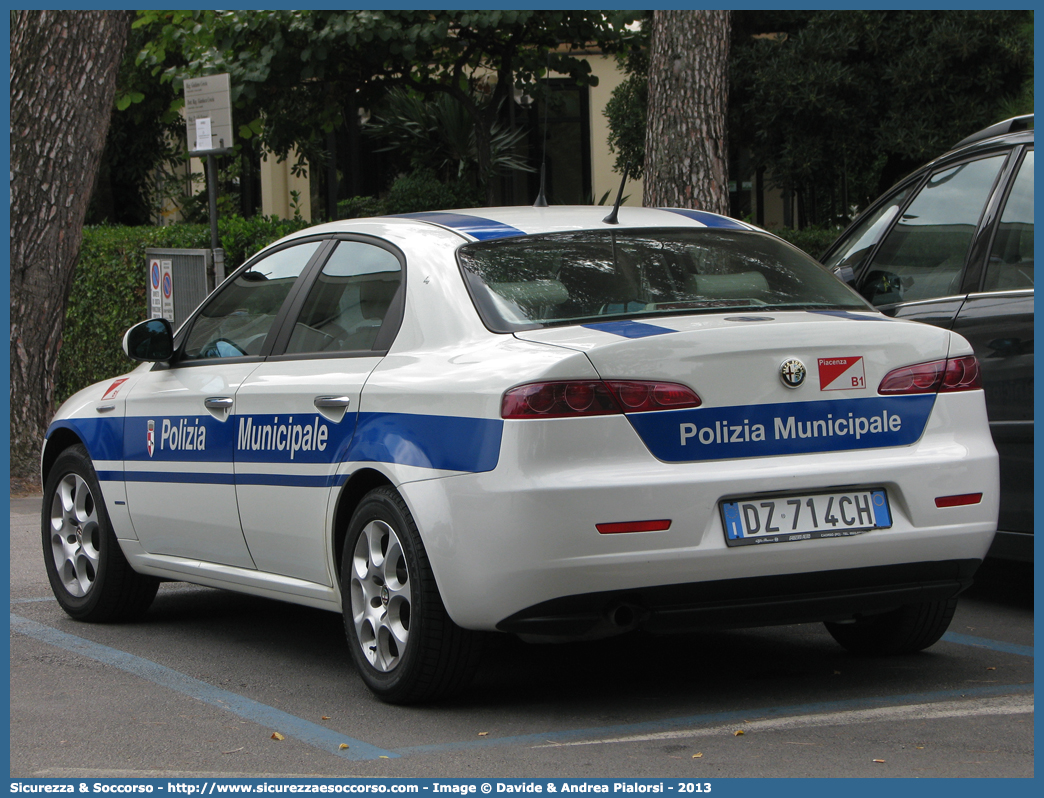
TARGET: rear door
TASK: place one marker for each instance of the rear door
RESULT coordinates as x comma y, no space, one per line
998,321
296,413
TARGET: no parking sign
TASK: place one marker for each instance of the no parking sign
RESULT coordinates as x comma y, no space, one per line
161,289
155,303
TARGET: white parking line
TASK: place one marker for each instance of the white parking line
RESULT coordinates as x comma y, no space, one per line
999,705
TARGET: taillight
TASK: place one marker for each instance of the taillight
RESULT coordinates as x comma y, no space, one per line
938,376
594,398
640,397
558,400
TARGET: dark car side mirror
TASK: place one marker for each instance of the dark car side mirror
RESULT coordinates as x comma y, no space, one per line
150,341
882,288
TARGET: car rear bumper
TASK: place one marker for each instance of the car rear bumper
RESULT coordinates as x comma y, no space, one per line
753,601
504,542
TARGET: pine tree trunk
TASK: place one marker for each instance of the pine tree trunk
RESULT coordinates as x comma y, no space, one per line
63,78
686,152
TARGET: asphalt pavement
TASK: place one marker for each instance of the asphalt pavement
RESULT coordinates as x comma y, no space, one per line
205,684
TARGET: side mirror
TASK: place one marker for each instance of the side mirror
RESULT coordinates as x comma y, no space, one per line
882,288
150,341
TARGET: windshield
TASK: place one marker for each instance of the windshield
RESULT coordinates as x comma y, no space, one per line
574,278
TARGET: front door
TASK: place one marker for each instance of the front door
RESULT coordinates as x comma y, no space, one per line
179,435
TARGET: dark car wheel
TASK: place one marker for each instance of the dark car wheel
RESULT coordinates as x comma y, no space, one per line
88,573
405,646
902,631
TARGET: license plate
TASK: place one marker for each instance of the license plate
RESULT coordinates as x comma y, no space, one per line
782,519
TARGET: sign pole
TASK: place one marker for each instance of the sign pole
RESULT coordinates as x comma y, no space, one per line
208,118
212,193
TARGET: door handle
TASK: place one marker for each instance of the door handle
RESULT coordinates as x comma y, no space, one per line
331,402
218,402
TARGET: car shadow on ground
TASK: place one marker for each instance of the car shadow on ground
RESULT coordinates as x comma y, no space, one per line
698,672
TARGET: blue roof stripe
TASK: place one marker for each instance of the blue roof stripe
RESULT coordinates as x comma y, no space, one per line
628,329
847,314
709,219
474,226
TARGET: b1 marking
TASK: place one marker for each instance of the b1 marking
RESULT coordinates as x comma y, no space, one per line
841,374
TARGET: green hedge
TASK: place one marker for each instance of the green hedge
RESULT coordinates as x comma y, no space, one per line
109,289
813,240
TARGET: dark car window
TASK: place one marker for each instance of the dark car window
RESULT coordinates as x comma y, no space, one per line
861,240
600,275
1011,259
236,322
346,306
923,255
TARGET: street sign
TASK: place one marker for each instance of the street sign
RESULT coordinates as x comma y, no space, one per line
208,109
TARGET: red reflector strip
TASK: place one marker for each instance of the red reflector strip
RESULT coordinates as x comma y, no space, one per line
958,501
634,526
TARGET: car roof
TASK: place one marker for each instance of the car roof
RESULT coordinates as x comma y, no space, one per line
482,224
1004,134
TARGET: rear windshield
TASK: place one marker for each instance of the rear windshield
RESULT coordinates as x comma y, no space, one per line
574,278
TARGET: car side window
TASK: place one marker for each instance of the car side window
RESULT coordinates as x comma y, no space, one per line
236,322
923,255
1011,258
862,239
347,304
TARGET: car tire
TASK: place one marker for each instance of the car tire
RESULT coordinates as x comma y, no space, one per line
404,644
88,572
903,631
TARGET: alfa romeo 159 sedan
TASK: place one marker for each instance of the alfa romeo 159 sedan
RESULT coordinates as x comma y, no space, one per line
531,421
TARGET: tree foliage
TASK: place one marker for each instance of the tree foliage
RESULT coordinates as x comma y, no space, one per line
837,105
302,72
626,110
847,102
145,139
438,134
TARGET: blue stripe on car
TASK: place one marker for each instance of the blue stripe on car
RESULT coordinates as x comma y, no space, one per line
847,314
628,329
720,433
103,437
708,219
450,443
474,226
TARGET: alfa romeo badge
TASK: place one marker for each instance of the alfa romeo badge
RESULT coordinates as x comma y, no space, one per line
792,372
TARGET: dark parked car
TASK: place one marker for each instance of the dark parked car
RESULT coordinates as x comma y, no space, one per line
952,245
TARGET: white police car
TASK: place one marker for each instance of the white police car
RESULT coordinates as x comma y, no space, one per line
534,421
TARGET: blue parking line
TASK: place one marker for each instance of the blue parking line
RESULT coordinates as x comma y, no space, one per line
715,719
993,645
307,732
328,740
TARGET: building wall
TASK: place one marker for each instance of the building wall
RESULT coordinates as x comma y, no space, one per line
277,181
610,75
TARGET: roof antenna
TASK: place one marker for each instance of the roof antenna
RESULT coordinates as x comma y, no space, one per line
614,216
541,200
